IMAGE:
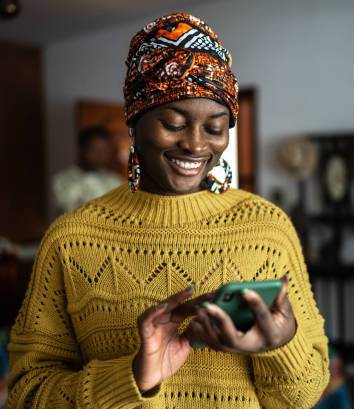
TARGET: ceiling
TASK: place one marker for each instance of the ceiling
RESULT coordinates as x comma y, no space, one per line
45,21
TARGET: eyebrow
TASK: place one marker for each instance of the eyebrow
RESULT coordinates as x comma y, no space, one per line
186,112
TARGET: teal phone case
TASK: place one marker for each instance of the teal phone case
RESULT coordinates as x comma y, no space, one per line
229,297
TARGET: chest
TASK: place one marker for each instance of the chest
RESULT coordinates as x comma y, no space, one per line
109,284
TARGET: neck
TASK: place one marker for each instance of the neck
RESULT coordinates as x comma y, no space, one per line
167,210
163,192
149,186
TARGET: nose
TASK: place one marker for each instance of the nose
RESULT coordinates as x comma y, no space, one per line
194,141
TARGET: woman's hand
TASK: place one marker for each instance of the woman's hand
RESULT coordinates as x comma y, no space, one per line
274,327
163,350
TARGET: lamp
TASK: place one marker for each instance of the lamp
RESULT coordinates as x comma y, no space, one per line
9,8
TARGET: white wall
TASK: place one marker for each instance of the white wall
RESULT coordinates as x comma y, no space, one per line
299,54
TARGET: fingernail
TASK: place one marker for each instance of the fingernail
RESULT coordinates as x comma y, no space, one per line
190,288
244,291
163,306
205,304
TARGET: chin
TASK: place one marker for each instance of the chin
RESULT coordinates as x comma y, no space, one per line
184,187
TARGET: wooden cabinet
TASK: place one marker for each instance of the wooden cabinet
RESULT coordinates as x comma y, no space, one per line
22,172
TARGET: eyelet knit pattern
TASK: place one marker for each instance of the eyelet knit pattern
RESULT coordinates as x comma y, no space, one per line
101,266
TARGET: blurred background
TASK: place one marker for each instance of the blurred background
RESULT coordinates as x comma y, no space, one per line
63,139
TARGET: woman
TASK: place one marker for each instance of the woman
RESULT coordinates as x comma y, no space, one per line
104,322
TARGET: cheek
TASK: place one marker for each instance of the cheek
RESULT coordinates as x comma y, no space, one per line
219,145
155,140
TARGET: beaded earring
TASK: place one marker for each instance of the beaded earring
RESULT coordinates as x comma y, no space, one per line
219,178
133,166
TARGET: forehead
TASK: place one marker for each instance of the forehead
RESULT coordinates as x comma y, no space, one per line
199,107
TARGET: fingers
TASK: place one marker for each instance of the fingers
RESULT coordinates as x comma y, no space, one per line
228,331
282,304
283,312
211,334
274,326
202,330
177,299
214,328
195,332
233,340
155,315
191,307
146,320
282,296
263,314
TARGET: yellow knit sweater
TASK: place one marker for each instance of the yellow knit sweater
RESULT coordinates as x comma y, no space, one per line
102,265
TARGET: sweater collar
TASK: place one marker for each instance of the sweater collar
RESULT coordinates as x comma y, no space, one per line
159,210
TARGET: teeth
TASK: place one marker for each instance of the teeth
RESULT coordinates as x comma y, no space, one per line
186,165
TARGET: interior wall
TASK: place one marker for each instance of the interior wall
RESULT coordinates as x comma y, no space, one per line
298,54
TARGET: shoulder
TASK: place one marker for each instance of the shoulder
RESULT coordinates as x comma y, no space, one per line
266,221
251,207
83,219
253,211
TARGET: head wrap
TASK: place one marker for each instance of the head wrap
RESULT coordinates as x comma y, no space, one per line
177,57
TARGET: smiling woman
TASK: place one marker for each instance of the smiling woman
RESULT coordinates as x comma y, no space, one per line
123,287
180,143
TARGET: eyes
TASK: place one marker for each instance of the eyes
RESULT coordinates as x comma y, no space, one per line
209,128
173,128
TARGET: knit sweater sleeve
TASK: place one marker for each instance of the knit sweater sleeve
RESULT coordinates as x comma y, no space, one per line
295,375
46,368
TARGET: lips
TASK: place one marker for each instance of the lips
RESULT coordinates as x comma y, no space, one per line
187,167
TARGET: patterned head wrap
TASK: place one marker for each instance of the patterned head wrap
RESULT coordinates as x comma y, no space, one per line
176,57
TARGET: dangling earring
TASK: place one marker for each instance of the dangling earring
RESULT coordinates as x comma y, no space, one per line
219,178
133,166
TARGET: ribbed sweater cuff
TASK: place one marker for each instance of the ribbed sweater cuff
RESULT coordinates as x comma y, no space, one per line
288,360
115,386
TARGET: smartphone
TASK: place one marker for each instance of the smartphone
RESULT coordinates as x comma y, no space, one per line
229,297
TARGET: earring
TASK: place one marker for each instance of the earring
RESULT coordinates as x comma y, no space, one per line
219,178
133,168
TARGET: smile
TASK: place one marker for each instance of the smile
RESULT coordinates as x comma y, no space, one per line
185,167
186,164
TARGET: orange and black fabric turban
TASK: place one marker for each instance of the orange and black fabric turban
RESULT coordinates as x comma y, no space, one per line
176,57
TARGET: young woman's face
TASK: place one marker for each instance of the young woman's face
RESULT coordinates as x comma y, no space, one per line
179,143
